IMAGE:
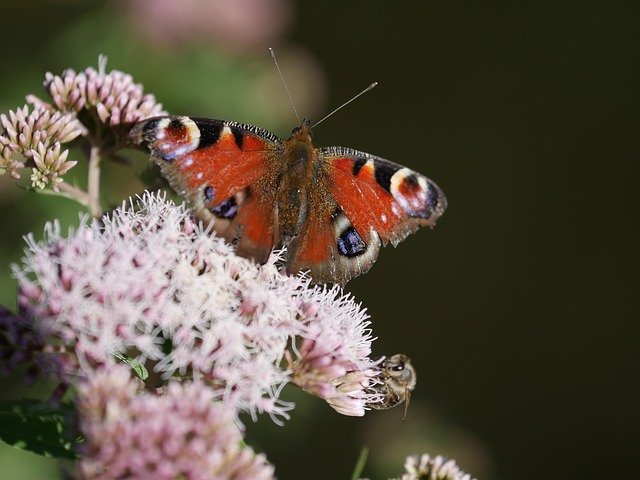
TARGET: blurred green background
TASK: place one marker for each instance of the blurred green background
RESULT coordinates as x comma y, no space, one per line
517,310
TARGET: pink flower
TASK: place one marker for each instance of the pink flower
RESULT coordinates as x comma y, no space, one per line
238,25
36,137
324,370
114,96
147,283
180,434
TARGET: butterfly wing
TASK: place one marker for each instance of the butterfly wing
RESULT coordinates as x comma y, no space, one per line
330,249
224,169
373,202
381,195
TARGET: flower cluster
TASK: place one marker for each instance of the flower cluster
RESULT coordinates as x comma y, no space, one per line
128,435
151,285
114,95
82,103
36,135
322,369
426,467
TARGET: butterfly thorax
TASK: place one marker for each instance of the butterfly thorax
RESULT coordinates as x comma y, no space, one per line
299,165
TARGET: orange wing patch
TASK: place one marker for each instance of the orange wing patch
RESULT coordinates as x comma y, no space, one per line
225,166
365,203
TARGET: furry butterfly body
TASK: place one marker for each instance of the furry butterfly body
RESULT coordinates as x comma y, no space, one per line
332,207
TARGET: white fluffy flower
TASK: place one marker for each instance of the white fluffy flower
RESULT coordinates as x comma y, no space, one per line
426,467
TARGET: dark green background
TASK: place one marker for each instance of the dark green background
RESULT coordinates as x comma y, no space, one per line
517,310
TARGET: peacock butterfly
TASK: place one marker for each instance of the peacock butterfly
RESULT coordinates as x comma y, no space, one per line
333,207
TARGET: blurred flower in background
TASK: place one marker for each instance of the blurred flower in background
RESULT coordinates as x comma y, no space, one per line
238,26
426,467
426,429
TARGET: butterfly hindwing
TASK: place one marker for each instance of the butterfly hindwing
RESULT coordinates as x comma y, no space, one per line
222,168
331,249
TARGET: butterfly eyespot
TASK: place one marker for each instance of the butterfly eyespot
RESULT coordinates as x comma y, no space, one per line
350,244
226,209
209,132
432,196
175,124
209,192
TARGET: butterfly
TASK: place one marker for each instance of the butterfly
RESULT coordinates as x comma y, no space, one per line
332,207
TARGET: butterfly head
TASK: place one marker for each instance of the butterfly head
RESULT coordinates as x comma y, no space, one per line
303,132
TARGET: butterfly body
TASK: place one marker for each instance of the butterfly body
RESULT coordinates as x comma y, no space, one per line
332,207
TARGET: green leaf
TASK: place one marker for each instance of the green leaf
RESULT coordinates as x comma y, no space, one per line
139,369
34,426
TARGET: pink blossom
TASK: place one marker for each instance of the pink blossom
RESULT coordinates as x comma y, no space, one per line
238,25
180,434
147,283
114,95
324,370
33,137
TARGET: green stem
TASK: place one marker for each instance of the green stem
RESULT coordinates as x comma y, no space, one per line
362,460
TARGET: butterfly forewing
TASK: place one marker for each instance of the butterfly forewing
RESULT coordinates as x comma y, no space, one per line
377,194
224,170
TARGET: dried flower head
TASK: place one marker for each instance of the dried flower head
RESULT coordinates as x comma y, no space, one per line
114,96
182,433
37,136
425,467
149,284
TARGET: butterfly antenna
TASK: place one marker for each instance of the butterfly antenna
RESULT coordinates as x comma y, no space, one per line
273,56
344,104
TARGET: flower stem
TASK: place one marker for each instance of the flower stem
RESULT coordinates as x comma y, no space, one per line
93,188
362,460
75,193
